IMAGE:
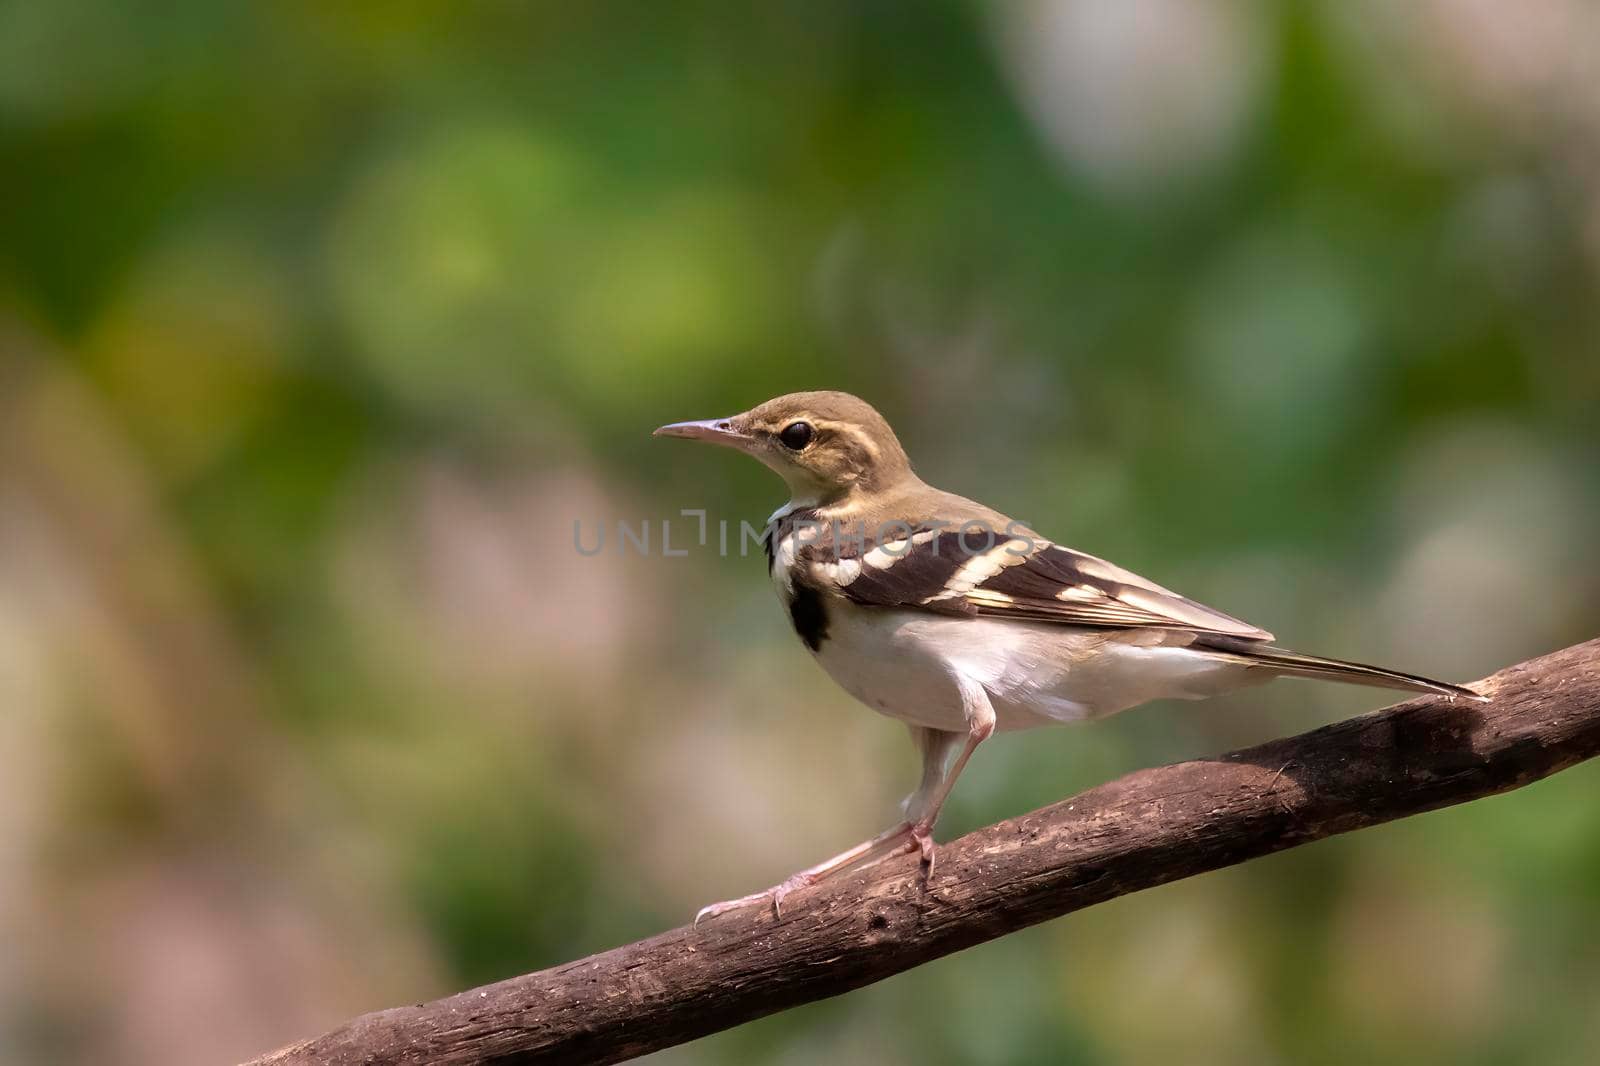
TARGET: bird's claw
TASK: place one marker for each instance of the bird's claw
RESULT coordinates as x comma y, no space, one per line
903,839
774,895
922,839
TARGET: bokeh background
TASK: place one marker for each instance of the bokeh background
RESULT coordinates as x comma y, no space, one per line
322,325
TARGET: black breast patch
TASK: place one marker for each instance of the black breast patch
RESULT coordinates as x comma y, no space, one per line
809,616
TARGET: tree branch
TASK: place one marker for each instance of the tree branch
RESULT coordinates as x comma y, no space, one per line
1139,831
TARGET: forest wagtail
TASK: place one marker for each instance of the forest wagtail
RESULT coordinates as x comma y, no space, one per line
959,621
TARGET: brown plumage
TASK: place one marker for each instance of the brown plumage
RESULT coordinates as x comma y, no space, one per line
944,613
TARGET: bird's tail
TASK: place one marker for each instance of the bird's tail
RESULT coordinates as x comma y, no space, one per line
1294,664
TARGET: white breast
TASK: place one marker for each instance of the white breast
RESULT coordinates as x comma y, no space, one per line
901,663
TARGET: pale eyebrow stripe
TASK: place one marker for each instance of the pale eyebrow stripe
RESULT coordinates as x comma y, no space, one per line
869,445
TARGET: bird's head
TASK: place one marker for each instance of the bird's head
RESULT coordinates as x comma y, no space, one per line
825,445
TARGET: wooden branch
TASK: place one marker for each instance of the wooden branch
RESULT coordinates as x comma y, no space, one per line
1142,830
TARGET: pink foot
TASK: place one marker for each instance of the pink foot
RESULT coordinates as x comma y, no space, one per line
774,895
922,837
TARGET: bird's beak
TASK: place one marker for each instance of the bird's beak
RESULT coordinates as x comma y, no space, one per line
712,430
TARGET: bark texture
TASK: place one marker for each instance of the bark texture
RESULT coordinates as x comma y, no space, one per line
1145,829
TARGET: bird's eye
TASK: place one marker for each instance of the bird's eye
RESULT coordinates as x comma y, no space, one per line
796,435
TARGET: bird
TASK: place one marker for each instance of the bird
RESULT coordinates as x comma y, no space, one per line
960,621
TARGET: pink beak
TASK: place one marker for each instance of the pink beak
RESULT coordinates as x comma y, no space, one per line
711,430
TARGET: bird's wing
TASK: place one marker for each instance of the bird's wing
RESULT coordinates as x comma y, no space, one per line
1021,577
1056,584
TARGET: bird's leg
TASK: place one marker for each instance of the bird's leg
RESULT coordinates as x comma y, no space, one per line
936,747
890,842
924,807
921,808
